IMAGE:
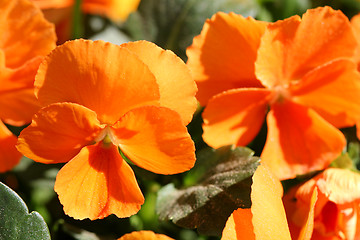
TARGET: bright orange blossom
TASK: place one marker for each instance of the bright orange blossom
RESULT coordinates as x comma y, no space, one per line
26,37
336,209
266,219
98,98
299,68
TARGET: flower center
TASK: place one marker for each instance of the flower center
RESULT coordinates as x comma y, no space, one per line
105,137
281,94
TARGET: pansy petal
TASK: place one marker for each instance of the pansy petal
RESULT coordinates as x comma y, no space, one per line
235,116
154,138
307,228
9,156
114,9
142,235
299,141
103,77
340,186
239,226
17,100
96,183
176,85
269,218
355,23
224,53
58,132
26,38
332,90
300,214
25,32
18,107
287,51
19,78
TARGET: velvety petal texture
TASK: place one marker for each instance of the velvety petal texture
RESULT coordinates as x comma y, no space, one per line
142,235
98,75
332,90
18,106
58,132
287,52
155,139
100,183
24,25
9,156
235,116
293,133
176,85
26,37
233,39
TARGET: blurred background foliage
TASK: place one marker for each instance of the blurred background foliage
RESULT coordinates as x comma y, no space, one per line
171,24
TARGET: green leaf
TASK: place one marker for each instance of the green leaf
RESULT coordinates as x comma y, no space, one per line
350,159
343,161
354,153
15,220
172,24
224,184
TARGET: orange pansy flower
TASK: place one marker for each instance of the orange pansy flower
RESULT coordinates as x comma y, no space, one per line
337,207
266,219
98,98
26,37
144,235
243,67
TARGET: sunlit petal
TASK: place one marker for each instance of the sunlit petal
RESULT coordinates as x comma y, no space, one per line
103,77
155,139
96,183
176,86
235,116
58,132
338,185
239,226
224,54
287,50
299,141
332,90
